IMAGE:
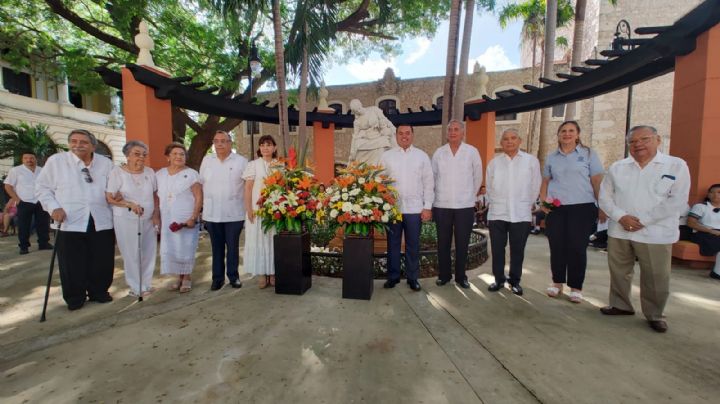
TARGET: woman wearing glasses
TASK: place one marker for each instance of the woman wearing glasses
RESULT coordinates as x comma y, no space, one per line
572,174
180,196
132,191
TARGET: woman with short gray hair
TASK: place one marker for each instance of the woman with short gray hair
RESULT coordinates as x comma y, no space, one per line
132,192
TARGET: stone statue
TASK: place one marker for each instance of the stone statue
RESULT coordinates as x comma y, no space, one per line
373,133
479,82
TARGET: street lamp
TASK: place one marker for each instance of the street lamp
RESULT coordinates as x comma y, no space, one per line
254,68
623,34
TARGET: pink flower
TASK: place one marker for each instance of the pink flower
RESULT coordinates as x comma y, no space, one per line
556,203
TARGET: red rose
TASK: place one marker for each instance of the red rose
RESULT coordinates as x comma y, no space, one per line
556,203
176,226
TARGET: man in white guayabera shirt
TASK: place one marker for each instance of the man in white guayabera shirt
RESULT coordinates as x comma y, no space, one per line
223,208
513,182
411,169
458,175
72,188
644,196
20,185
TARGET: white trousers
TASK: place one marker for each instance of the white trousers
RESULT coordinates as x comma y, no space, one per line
137,261
716,269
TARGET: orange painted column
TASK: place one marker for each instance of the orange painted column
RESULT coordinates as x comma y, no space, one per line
481,134
695,128
147,118
324,150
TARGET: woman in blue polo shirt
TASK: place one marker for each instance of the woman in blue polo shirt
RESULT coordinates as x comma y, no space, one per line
572,174
704,219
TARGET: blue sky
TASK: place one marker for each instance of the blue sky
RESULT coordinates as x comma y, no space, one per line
492,46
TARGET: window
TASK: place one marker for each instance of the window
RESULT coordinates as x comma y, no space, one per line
439,102
388,107
17,83
558,111
75,97
253,127
506,117
292,128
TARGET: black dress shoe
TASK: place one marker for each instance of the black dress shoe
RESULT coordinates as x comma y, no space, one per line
463,284
390,283
441,282
216,285
517,289
535,231
24,251
236,284
658,325
75,306
614,311
494,287
106,298
714,275
414,285
47,246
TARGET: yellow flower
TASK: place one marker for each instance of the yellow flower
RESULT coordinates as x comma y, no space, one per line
300,209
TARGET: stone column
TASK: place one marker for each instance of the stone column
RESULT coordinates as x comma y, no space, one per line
2,84
40,91
696,113
481,134
63,93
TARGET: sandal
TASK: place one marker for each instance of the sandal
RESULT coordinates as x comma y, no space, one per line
174,285
272,280
575,296
263,282
553,291
186,286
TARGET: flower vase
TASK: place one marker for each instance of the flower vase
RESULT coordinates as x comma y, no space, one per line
357,267
293,270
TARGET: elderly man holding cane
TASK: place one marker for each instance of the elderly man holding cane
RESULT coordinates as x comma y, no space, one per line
644,196
72,188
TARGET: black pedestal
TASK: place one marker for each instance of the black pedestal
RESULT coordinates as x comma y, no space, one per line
357,268
293,270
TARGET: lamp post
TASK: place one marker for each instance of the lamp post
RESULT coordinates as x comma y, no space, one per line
254,68
623,33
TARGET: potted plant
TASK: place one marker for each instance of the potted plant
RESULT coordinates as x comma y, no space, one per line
362,201
287,201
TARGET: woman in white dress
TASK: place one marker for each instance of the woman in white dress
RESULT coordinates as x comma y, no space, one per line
180,196
258,258
131,192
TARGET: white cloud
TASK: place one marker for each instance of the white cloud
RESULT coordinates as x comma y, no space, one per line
494,58
371,69
423,44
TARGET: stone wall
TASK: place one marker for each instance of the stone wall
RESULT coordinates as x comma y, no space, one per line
651,100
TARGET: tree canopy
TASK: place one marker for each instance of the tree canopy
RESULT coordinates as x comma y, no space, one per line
209,40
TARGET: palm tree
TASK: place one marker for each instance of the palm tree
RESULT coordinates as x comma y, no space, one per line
532,13
577,46
282,106
20,138
458,108
450,65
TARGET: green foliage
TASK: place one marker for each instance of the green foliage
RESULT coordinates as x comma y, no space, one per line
428,236
321,233
532,13
20,138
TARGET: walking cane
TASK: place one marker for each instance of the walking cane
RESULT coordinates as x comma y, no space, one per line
52,264
140,272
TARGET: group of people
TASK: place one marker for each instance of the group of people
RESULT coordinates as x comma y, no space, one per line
642,197
93,204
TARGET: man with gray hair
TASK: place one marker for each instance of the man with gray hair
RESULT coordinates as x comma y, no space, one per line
513,182
72,189
643,196
457,171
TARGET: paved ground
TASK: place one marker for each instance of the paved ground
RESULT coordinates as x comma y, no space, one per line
442,345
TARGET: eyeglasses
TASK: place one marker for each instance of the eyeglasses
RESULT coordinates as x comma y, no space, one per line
88,178
221,141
